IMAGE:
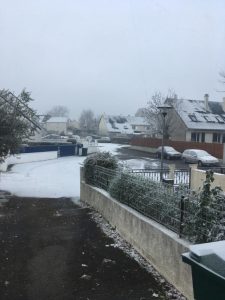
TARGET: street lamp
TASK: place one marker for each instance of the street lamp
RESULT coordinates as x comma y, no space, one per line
163,110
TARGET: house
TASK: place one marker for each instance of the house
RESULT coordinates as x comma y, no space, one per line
122,125
73,127
57,125
197,120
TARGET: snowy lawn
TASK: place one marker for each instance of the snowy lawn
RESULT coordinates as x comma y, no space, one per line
51,178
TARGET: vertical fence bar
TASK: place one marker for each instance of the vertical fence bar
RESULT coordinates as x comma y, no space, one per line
181,216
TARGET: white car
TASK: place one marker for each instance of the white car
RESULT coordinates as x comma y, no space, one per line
201,157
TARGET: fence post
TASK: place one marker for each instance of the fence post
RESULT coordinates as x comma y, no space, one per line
181,216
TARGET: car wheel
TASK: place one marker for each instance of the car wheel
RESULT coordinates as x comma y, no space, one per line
168,157
200,163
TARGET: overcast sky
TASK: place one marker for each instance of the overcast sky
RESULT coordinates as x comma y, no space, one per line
111,55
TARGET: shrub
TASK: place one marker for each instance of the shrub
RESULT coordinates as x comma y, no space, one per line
205,220
150,198
102,159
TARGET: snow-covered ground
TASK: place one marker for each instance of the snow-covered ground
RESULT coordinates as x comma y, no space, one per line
109,147
51,178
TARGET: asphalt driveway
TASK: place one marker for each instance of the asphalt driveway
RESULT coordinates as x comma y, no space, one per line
52,249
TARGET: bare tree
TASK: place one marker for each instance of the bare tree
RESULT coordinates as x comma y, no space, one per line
58,111
87,120
153,116
222,80
140,112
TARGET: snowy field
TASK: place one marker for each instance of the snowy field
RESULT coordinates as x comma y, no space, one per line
51,178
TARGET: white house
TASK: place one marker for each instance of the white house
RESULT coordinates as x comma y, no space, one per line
57,125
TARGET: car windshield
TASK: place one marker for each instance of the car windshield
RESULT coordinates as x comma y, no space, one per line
169,149
201,153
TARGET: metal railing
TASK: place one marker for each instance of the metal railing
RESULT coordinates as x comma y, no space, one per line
181,176
175,207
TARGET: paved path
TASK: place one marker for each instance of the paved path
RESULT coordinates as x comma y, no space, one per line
52,249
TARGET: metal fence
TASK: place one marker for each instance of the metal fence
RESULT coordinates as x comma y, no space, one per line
175,207
181,176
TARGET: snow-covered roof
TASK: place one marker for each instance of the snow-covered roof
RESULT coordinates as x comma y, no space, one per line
195,115
118,124
137,120
123,124
57,120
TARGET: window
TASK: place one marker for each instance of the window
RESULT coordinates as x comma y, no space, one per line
195,136
223,141
193,118
219,119
216,137
209,119
203,137
198,137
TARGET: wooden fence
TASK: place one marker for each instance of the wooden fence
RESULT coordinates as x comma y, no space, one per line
213,148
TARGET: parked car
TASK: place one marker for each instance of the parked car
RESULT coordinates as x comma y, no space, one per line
104,139
201,157
168,153
51,136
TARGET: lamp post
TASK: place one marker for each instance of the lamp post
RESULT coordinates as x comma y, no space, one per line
163,110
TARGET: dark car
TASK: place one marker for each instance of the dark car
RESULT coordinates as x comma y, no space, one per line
168,153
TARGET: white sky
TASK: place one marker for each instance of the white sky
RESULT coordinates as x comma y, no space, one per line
111,55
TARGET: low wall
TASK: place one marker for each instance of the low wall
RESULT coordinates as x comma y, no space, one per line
198,177
27,157
144,149
161,247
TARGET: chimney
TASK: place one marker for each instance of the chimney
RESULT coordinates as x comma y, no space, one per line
206,97
223,104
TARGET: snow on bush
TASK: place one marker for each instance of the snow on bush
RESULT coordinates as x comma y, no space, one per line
101,159
205,214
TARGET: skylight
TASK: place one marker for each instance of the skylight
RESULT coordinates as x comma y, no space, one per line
209,119
193,118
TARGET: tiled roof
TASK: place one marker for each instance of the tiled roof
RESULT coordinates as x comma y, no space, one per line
195,115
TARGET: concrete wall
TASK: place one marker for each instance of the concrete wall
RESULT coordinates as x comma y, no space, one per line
161,247
198,177
27,157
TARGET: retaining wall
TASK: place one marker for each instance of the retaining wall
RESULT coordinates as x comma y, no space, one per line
160,246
